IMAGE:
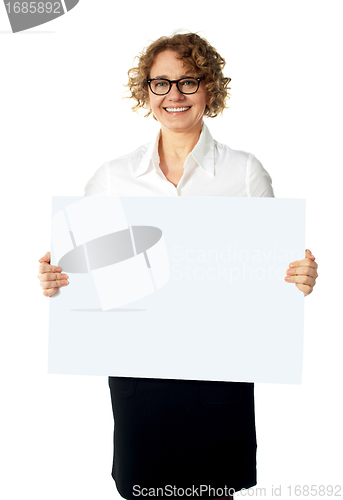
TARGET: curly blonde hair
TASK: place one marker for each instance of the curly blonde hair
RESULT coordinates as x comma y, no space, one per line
198,56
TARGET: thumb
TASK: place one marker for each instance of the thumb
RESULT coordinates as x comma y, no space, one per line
46,258
309,255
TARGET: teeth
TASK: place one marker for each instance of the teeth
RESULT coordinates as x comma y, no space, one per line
176,110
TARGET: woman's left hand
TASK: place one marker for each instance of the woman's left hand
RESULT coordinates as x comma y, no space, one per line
303,273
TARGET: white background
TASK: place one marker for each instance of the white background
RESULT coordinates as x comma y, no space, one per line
62,116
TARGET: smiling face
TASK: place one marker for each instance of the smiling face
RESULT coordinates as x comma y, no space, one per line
175,111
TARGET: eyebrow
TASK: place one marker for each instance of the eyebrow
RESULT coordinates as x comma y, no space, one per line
166,77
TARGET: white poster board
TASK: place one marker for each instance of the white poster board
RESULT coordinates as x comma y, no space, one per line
180,288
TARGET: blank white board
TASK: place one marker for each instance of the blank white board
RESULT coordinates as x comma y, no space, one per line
180,288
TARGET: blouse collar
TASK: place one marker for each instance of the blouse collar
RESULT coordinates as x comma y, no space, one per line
203,153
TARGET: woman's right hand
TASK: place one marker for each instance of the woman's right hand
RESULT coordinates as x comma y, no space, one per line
50,277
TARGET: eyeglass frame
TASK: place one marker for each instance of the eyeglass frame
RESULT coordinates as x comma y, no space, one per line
149,80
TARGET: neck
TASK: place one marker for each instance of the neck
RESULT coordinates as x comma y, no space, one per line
177,145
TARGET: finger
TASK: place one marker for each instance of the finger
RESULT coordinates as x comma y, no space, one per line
49,292
53,276
304,288
302,280
46,258
53,284
47,268
305,271
304,262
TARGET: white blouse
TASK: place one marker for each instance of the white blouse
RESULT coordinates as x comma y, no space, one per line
211,169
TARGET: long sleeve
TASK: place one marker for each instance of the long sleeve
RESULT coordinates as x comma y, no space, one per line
100,183
258,181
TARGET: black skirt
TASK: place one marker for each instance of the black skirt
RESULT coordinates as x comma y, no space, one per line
179,434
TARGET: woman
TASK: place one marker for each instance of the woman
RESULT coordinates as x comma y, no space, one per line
174,433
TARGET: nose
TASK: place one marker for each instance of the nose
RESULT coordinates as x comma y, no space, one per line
174,93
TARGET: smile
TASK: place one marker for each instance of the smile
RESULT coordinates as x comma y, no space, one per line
177,110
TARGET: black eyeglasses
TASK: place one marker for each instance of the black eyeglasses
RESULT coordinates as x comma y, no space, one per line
161,86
